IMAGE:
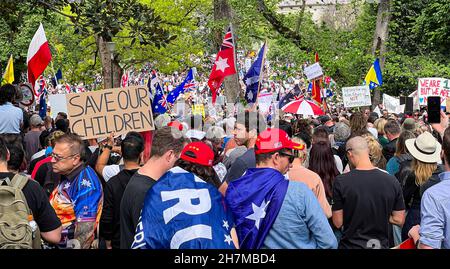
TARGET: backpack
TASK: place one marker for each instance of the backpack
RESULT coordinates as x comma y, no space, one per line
18,230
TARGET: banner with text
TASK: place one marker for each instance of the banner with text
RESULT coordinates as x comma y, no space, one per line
390,103
433,87
356,96
313,71
120,110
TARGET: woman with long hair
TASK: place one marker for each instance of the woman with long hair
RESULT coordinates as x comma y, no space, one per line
379,125
322,162
375,152
401,154
358,124
425,151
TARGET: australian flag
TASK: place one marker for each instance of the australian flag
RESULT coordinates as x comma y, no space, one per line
159,104
252,78
57,77
290,96
181,211
43,104
255,200
173,95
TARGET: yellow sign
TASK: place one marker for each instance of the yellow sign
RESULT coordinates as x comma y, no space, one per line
198,109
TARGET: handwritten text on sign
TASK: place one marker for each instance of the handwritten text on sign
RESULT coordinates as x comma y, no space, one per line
356,96
120,110
313,71
433,87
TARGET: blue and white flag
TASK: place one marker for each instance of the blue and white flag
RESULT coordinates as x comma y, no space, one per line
43,104
173,95
181,211
159,104
253,77
255,200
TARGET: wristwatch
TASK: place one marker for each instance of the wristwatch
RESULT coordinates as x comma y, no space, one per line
108,147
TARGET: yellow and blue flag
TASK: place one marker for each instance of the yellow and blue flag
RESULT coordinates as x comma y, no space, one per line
8,76
374,77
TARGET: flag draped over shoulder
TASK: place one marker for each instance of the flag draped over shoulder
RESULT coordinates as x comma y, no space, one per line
39,55
255,200
8,76
224,65
181,211
253,77
173,95
374,77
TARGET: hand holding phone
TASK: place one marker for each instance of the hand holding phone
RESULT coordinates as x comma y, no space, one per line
434,109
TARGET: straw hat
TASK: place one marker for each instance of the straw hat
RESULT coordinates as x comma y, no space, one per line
424,148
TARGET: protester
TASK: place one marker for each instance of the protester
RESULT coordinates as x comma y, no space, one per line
379,125
31,138
365,201
401,154
42,213
375,152
358,124
392,131
132,148
425,151
78,198
11,117
215,135
271,212
166,148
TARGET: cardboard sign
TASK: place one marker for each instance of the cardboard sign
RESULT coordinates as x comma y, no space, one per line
433,87
313,71
120,110
447,105
356,96
390,103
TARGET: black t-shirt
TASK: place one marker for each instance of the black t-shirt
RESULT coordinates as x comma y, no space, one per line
131,206
34,162
240,166
113,193
368,198
43,212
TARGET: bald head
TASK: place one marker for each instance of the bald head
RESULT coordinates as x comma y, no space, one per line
358,146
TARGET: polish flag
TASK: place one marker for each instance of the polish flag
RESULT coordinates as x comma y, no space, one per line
39,55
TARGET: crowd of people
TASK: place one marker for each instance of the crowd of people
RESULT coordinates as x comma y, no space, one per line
348,180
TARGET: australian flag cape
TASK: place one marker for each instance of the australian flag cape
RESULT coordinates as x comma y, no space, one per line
181,211
255,200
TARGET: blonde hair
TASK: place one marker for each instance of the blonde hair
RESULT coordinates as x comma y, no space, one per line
375,152
379,125
301,154
423,171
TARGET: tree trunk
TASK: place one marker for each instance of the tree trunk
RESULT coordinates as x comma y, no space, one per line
108,65
380,39
222,12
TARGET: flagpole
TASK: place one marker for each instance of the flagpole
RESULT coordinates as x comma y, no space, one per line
261,72
54,74
235,61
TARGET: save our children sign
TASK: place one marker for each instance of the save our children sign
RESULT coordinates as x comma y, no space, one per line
433,87
99,113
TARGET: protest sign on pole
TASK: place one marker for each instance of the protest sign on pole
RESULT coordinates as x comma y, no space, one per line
264,102
356,96
198,109
313,71
433,87
391,103
99,113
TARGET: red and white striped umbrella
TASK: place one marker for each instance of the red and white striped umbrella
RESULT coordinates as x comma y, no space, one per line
302,106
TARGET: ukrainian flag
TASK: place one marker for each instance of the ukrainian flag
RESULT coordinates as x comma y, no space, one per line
8,76
374,77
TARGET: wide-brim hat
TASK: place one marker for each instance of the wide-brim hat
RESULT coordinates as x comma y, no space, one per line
424,148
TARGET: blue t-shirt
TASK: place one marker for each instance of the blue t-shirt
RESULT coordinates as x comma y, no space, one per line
10,119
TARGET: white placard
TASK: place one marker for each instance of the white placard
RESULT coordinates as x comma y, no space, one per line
356,96
433,87
390,103
57,103
313,71
264,102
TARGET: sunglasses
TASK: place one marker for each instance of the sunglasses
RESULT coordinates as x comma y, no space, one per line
291,157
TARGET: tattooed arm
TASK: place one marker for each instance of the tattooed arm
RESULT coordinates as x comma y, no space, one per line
84,233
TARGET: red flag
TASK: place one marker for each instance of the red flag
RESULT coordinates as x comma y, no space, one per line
317,57
317,83
224,65
39,55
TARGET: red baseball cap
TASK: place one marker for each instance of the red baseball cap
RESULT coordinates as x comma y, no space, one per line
198,152
274,139
176,124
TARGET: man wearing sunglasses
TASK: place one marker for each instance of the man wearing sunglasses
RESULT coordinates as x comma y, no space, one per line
272,212
78,198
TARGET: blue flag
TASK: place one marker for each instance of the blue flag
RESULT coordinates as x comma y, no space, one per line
159,104
57,77
181,211
43,104
253,77
255,200
173,95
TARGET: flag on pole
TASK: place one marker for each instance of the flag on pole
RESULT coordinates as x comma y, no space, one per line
224,65
173,95
39,55
57,77
8,76
374,77
124,80
316,86
159,104
43,104
253,77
